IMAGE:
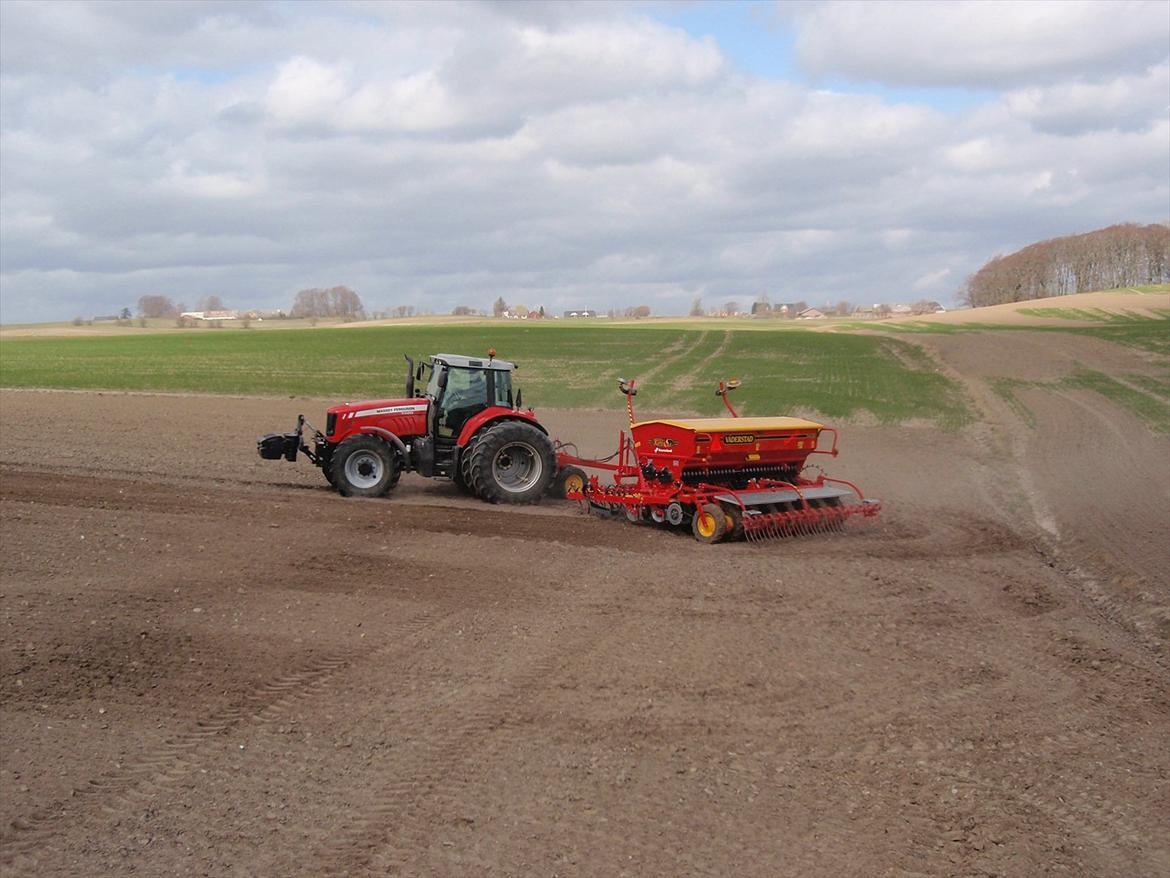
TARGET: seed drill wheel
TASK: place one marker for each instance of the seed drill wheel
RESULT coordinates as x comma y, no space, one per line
571,479
513,462
709,523
365,466
734,524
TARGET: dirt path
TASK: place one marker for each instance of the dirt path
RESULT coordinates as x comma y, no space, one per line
1096,480
214,665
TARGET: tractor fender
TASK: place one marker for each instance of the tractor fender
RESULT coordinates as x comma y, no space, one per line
389,437
493,415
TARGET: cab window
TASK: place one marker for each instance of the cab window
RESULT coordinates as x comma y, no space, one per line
503,388
464,396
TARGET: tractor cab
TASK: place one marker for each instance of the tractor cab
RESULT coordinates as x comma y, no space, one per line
461,387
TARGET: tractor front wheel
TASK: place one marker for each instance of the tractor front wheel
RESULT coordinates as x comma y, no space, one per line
513,462
364,466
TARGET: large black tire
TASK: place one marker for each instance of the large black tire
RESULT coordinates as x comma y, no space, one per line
513,462
462,474
365,466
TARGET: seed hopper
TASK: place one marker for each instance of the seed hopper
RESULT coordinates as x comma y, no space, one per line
725,478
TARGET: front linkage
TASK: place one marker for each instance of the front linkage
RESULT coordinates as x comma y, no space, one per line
275,446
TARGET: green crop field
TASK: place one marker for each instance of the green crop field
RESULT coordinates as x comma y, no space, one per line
562,366
1147,333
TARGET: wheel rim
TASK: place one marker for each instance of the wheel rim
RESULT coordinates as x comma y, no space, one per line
517,467
364,469
574,483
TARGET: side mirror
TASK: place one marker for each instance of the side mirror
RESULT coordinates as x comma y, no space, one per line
519,399
418,373
443,378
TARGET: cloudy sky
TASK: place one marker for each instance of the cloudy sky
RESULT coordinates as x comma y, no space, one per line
562,154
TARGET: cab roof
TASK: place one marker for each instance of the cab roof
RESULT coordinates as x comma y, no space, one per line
459,361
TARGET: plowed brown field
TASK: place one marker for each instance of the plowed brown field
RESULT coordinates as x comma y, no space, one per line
212,665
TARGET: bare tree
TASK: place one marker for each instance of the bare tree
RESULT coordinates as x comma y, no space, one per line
1117,256
844,309
696,307
638,312
333,302
462,311
499,307
731,307
156,306
211,303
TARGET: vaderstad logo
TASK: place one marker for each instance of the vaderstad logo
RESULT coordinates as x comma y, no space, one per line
659,442
739,439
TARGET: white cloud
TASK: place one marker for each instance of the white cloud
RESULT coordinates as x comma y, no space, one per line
1124,102
980,43
560,154
306,92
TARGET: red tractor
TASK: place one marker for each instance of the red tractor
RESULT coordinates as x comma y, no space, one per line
464,425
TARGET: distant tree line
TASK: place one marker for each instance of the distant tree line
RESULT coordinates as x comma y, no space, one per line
333,302
1118,256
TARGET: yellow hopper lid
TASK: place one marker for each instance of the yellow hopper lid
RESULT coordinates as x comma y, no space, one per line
735,425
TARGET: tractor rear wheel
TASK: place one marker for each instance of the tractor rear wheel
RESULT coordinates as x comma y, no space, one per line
461,475
364,466
513,462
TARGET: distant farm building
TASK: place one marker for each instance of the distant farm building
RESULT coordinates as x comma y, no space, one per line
583,312
787,310
210,315
811,314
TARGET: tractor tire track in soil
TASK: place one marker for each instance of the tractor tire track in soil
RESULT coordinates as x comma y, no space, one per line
430,686
1112,551
647,377
454,732
701,370
135,782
